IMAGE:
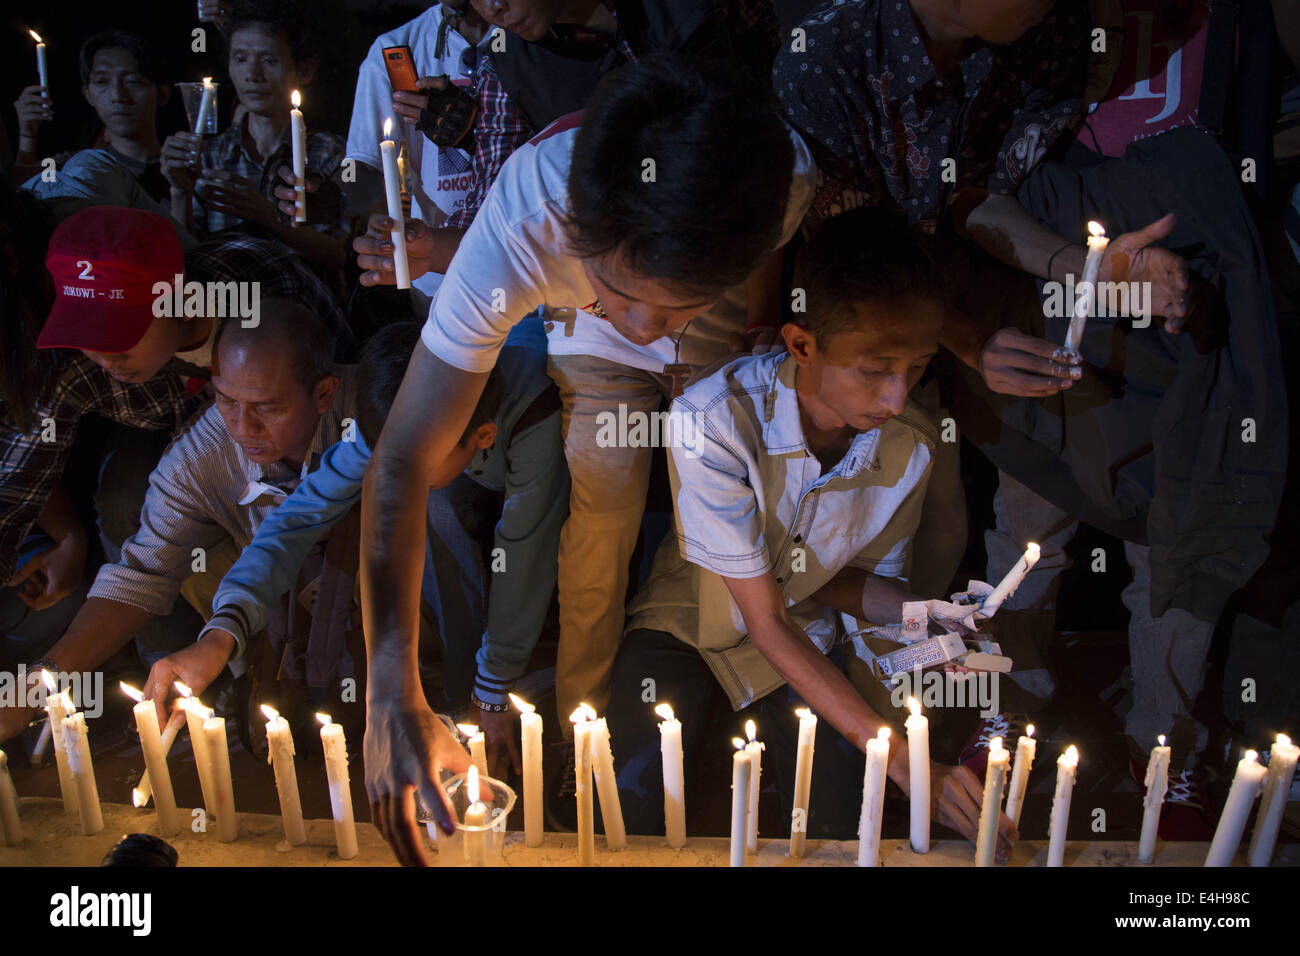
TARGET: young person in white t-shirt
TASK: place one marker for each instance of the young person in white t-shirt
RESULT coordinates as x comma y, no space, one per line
636,218
444,43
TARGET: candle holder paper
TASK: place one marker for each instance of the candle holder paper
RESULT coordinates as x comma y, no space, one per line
496,796
191,97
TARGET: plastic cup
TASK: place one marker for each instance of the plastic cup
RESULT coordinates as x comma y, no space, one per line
454,850
191,97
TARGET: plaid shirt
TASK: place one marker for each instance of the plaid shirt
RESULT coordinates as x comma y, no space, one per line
325,152
31,461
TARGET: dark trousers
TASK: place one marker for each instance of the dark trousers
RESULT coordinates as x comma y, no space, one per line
682,679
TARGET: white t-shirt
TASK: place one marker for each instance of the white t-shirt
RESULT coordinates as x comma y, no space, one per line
514,258
439,178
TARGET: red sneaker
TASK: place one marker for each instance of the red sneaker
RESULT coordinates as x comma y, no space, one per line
975,755
1184,817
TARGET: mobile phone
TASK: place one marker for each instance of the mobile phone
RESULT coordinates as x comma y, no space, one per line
401,68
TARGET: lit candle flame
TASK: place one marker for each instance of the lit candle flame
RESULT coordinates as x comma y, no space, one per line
738,743
269,712
207,713
388,128
1250,756
182,689
579,716
522,705
1033,550
1161,738
137,798
804,713
588,710
131,692
207,82
995,745
1029,730
471,784
1283,740
325,719
664,711
36,36
295,99
750,730
50,683
1071,756
883,733
1096,228
914,706
469,730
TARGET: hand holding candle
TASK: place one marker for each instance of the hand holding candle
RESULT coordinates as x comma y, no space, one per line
298,137
1086,293
530,728
155,760
393,195
42,68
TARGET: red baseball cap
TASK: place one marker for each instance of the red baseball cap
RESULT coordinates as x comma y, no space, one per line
105,261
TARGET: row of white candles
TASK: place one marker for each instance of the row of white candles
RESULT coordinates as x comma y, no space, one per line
594,756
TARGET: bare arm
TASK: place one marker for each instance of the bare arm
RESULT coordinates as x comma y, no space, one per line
406,745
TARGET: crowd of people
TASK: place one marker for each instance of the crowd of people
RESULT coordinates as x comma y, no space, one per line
823,237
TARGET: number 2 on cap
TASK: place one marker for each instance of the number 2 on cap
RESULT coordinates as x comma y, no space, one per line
87,269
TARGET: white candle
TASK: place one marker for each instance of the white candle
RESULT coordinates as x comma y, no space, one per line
298,136
1086,293
280,752
1066,765
77,741
1026,748
602,762
1007,586
1157,782
530,729
58,706
670,752
336,771
143,791
1282,761
918,765
477,746
393,194
11,829
475,816
223,787
194,714
42,68
1246,784
994,779
873,799
739,801
803,764
755,750
206,104
582,790
146,724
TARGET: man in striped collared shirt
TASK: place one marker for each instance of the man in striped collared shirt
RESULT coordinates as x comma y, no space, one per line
280,402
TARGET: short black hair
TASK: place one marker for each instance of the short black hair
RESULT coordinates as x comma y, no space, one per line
723,164
291,328
147,59
384,358
871,254
278,16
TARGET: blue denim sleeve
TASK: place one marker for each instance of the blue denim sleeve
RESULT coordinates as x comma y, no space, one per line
266,569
